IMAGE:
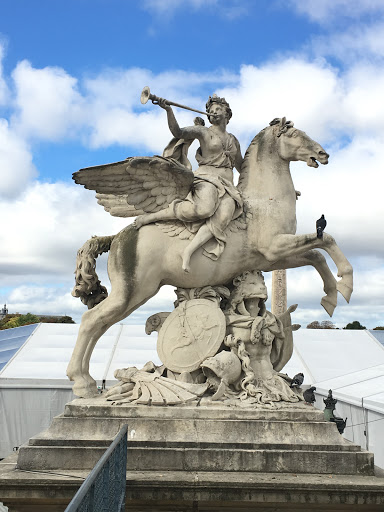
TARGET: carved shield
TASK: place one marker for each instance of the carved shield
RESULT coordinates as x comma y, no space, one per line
191,333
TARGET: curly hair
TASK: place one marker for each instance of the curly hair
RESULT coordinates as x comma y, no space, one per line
221,101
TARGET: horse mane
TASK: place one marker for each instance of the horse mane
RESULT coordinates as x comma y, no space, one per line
255,144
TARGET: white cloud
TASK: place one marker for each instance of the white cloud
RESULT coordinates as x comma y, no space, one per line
3,85
16,164
48,105
360,41
226,8
325,10
51,221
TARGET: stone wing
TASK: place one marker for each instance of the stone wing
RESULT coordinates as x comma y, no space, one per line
137,184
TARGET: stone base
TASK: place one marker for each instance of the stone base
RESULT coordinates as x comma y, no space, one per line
197,458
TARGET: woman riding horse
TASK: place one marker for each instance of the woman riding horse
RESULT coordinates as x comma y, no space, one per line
214,201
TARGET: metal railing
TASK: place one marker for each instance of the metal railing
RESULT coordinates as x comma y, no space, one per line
104,488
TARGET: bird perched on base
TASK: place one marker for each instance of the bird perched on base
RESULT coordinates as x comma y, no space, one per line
309,395
320,226
297,380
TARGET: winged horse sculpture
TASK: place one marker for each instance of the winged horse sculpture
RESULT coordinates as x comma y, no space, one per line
141,261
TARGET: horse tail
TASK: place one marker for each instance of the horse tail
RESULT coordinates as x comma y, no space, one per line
87,284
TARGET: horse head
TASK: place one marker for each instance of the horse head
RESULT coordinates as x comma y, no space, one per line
293,144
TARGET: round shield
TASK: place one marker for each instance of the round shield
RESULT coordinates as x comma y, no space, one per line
190,334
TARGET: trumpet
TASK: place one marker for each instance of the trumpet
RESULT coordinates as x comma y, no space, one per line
146,95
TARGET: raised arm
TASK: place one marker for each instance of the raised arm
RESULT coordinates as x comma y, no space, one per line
187,133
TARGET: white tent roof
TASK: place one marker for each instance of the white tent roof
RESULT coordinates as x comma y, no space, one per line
351,363
43,358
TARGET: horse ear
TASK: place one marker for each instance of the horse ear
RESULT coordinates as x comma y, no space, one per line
283,121
274,121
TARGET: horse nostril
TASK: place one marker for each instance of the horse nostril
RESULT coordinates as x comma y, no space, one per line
323,153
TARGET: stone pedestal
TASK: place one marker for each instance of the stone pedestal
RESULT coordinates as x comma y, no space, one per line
197,458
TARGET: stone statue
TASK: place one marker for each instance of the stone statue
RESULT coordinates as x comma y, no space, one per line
263,341
214,201
256,221
219,344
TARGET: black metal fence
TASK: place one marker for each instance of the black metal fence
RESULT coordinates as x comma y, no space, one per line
104,488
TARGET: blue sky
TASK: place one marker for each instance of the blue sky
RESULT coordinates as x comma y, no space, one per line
71,74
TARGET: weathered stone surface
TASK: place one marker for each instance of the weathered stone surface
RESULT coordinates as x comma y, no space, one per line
251,226
197,439
186,491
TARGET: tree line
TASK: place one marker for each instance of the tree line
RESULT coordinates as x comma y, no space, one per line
327,324
17,320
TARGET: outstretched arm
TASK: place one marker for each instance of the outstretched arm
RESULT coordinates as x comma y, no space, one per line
190,132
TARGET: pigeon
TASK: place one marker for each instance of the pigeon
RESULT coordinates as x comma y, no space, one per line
320,226
297,380
309,395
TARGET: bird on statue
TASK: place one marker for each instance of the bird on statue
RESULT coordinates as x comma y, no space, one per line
320,226
297,380
309,395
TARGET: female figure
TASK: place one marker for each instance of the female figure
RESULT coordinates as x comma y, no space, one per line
214,201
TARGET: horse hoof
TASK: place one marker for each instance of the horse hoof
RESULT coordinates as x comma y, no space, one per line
328,305
85,391
345,290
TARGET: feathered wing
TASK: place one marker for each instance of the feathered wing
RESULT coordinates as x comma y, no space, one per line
137,184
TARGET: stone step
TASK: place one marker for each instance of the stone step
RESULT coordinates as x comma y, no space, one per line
101,408
202,459
265,461
198,430
45,442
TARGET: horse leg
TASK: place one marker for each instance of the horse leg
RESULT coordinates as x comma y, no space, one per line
284,246
94,324
317,260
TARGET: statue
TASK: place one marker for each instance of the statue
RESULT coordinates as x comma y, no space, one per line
257,219
218,345
263,341
214,201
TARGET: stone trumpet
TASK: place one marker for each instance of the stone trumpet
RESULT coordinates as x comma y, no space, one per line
146,95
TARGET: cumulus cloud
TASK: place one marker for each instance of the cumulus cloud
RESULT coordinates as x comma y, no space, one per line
226,8
49,223
47,104
341,110
3,85
360,41
326,10
16,164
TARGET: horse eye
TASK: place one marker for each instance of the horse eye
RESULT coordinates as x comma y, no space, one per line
294,134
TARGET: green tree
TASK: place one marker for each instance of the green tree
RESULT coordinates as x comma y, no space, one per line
356,325
325,324
379,328
314,325
19,320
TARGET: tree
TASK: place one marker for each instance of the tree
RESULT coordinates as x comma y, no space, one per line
325,324
356,325
379,328
314,325
57,320
16,320
19,320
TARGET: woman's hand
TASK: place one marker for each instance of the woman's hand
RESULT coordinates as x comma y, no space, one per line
163,104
